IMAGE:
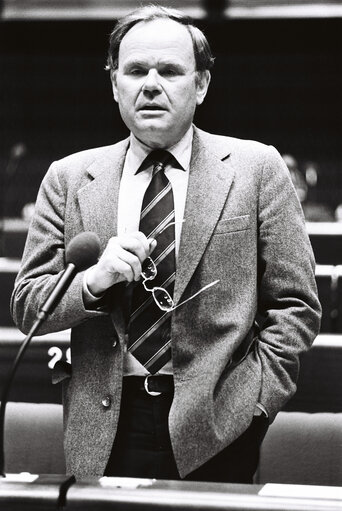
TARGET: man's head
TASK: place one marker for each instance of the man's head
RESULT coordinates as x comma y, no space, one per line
159,64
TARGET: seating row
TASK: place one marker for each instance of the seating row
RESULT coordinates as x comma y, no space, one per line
319,384
299,448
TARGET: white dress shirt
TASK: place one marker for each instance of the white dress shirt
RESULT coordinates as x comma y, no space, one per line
133,185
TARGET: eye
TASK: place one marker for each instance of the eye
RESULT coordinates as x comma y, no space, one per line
137,71
168,72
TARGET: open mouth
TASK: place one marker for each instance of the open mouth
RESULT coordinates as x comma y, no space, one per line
151,107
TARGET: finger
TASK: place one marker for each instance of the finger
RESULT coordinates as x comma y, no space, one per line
136,245
123,271
140,236
106,273
131,260
153,244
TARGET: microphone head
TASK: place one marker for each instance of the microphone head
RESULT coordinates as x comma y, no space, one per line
83,250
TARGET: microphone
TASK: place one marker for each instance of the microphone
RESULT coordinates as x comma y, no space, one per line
82,252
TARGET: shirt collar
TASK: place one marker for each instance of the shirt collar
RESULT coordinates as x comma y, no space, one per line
138,151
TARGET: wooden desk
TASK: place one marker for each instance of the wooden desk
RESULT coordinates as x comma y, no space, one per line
51,492
44,493
326,240
14,237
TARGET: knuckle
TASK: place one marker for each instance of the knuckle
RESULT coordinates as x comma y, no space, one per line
140,236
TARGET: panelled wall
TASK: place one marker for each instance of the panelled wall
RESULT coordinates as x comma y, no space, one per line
277,80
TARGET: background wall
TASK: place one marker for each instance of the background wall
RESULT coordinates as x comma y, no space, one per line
276,80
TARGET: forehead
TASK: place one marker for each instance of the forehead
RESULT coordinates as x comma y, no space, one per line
158,38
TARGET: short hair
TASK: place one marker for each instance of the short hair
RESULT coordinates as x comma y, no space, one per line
202,52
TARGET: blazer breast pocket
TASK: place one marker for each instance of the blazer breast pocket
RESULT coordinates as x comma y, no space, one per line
237,223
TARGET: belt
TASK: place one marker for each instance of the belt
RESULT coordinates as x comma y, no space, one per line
154,385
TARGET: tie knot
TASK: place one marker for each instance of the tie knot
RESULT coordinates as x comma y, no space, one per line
159,159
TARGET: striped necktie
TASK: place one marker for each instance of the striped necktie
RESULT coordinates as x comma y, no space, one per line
149,330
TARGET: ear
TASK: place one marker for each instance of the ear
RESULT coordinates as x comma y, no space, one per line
202,84
113,78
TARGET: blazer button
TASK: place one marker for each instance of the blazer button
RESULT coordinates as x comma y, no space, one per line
106,402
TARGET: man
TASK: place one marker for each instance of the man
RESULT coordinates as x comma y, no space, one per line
186,333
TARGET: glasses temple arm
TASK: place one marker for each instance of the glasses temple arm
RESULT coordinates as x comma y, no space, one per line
198,292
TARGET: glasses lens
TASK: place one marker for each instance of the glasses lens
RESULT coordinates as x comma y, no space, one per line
163,298
149,270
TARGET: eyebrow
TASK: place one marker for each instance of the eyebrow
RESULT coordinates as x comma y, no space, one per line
146,63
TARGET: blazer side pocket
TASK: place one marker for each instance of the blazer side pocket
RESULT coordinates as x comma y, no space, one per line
245,347
237,223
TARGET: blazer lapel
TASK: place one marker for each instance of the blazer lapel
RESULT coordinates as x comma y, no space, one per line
209,183
98,200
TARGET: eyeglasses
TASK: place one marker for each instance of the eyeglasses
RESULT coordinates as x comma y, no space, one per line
160,295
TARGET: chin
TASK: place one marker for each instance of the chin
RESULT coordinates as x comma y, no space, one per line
154,135
152,125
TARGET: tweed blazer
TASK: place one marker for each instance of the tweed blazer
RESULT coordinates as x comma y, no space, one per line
234,345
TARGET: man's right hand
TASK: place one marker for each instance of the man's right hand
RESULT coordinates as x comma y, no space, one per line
120,261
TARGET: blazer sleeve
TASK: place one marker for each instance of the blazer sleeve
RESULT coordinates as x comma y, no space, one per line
43,262
288,303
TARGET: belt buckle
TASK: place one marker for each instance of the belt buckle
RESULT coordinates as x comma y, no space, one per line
150,392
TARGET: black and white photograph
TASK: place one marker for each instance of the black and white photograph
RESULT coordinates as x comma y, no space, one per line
171,255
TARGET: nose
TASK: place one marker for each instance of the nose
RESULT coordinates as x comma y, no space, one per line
151,84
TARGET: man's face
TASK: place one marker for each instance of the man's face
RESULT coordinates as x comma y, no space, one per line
156,84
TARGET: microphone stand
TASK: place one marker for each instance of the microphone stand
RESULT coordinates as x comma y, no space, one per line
4,398
82,252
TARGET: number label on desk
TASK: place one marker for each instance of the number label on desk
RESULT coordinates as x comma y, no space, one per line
56,354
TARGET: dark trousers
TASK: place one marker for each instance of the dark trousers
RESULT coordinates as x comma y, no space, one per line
142,447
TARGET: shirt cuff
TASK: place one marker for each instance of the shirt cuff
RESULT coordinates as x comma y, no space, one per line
90,301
